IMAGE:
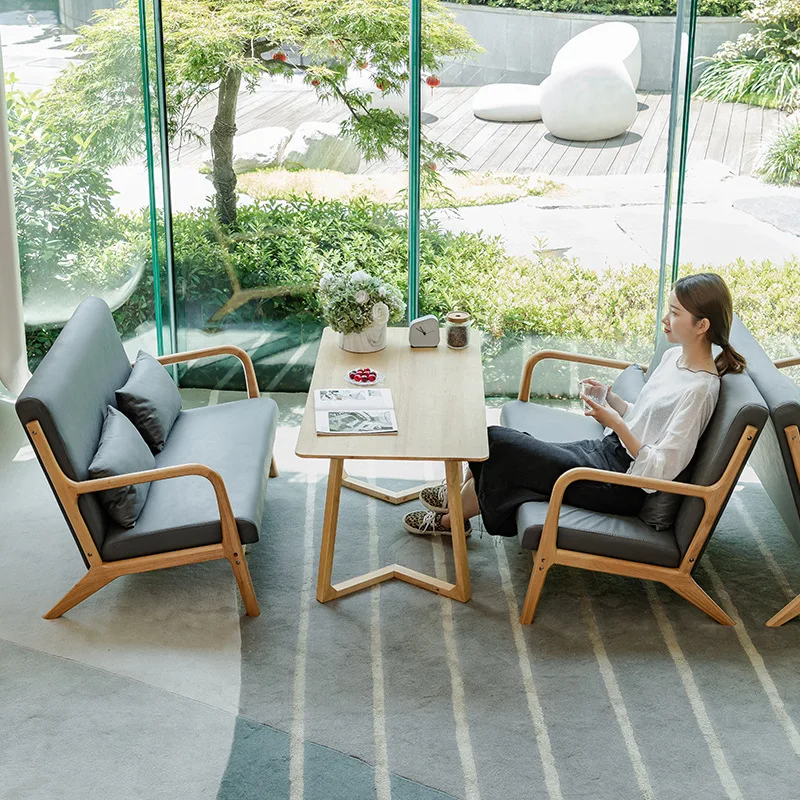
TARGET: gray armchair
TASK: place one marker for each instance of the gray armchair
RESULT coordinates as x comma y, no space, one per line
776,460
206,497
622,545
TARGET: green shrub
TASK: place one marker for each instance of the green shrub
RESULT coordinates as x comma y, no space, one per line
780,162
761,67
288,243
62,195
635,8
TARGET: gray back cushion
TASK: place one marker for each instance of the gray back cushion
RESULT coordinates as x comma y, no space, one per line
773,459
151,400
740,404
70,392
629,383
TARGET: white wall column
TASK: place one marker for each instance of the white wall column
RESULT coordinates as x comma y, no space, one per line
14,371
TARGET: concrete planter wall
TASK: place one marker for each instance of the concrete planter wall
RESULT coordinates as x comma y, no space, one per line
520,45
74,13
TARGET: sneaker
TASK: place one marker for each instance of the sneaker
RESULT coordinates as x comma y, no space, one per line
435,497
429,522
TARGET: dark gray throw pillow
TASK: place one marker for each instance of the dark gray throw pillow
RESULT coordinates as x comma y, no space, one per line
151,400
661,508
121,450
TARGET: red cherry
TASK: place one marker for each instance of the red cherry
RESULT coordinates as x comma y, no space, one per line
351,374
432,81
372,378
279,56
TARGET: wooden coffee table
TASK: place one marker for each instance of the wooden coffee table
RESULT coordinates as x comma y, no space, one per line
439,404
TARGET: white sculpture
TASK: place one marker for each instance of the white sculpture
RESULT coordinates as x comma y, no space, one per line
609,41
507,102
589,101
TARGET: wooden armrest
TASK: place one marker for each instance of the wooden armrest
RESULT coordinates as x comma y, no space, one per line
598,361
782,363
713,496
624,479
548,538
222,349
227,519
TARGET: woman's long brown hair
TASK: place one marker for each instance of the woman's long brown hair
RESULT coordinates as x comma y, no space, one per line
707,295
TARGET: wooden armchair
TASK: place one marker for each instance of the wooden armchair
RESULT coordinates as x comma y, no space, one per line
184,521
563,534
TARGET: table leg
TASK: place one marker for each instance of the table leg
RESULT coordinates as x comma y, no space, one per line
455,475
387,495
460,590
325,590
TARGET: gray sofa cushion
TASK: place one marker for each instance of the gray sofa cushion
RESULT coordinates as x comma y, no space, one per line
739,405
600,534
151,400
548,423
69,393
772,458
122,450
236,440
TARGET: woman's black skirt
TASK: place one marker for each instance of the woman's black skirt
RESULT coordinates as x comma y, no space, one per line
521,467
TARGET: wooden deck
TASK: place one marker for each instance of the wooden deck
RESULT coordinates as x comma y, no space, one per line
726,132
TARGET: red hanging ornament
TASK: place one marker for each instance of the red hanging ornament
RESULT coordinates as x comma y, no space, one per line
315,82
431,166
432,81
279,56
382,84
362,64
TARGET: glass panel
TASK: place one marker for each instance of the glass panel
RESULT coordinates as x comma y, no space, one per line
548,231
289,141
79,161
740,219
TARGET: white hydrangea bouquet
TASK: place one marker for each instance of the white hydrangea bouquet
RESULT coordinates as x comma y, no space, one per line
359,306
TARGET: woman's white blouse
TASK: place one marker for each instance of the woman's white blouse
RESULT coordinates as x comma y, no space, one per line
669,417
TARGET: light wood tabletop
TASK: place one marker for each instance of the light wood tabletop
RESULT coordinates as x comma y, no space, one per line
441,416
437,394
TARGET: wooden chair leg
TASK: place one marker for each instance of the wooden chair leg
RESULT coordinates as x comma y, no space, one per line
273,468
245,582
691,591
91,582
534,591
789,611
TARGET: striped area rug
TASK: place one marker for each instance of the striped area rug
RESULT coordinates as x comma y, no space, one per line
620,689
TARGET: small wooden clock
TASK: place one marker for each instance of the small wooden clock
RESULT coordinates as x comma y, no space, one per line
424,331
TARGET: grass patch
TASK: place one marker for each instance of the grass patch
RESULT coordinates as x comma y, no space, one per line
468,189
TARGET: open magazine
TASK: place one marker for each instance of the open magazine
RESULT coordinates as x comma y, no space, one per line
354,411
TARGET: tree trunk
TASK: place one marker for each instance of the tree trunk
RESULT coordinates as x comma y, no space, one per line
222,146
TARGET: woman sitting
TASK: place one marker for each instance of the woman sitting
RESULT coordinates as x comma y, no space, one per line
654,437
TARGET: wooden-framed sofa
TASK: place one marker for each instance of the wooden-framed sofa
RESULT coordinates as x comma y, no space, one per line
558,533
776,459
207,492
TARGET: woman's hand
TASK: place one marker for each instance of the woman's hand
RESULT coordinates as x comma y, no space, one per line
595,382
605,415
